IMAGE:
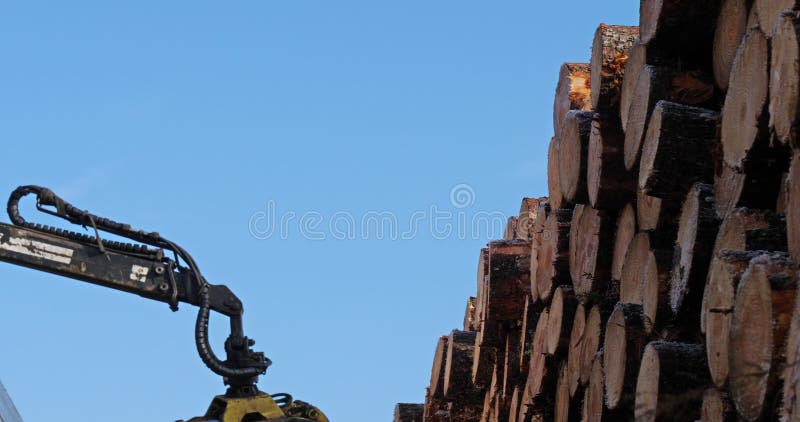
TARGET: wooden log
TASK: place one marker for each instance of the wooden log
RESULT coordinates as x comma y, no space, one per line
484,356
762,312
530,318
470,318
769,13
656,214
717,407
528,221
591,251
671,383
437,371
508,280
553,256
594,407
458,386
566,410
610,186
575,350
542,373
482,273
555,197
435,410
408,412
677,150
784,81
793,209
757,188
511,228
731,25
630,287
724,273
673,25
626,230
540,217
512,376
514,405
744,122
559,322
593,337
625,339
609,55
790,397
749,230
573,154
652,84
655,290
573,92
697,231
637,60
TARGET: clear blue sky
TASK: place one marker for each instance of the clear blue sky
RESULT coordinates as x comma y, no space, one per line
191,118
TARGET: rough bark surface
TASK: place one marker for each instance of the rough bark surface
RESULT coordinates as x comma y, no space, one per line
609,55
610,186
677,151
672,380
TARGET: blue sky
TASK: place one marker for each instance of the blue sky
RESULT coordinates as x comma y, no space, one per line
202,119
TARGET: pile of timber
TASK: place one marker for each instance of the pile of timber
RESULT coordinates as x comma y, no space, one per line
657,281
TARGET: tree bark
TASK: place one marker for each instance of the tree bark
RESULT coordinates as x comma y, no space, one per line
717,407
591,249
697,230
555,197
757,188
652,84
784,81
725,271
573,154
408,412
609,55
731,26
625,231
744,122
508,281
553,256
458,386
656,214
677,150
749,230
610,186
573,92
559,322
762,312
671,383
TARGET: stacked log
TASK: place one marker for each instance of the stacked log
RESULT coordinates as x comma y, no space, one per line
657,281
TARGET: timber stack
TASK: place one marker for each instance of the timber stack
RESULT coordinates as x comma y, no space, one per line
658,279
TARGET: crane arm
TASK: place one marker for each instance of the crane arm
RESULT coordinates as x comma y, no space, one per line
153,277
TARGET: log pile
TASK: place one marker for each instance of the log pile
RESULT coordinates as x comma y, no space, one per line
658,279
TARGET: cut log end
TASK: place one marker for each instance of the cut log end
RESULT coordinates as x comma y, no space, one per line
625,339
573,92
572,155
730,28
